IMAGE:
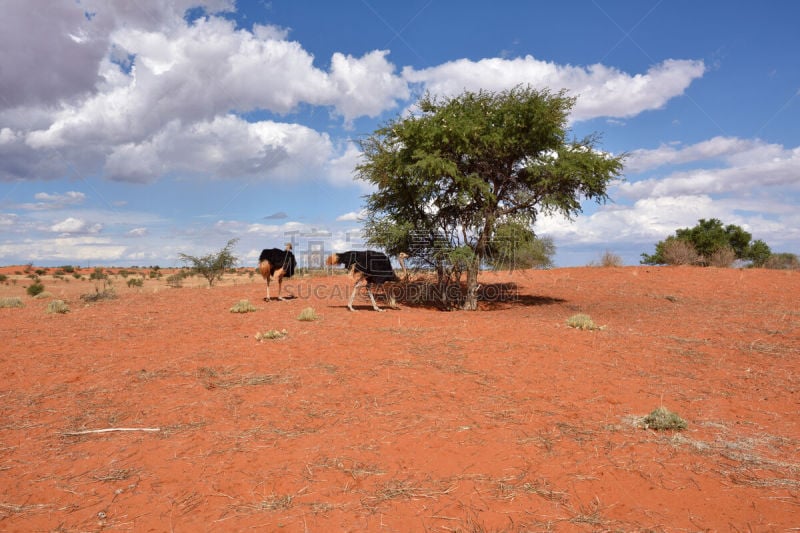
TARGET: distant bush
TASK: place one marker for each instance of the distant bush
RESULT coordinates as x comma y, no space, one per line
67,268
12,301
680,252
58,306
782,261
610,259
98,274
34,289
106,294
243,306
3,278
176,280
135,282
722,257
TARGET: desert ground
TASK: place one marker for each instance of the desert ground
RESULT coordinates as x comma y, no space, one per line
162,410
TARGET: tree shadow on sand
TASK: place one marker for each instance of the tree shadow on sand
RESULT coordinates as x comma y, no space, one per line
448,297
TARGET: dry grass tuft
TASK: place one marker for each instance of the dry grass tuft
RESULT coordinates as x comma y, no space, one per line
243,306
308,315
581,321
663,418
271,334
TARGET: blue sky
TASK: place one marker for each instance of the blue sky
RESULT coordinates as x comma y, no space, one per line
132,131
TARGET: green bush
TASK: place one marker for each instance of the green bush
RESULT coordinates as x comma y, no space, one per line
34,289
98,274
135,282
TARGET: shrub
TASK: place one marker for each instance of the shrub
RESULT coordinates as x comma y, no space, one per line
610,259
782,261
581,321
98,274
680,252
176,280
135,282
662,418
271,334
243,306
308,315
34,289
106,294
722,258
11,301
3,278
58,306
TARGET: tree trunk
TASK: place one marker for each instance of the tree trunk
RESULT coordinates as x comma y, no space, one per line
471,299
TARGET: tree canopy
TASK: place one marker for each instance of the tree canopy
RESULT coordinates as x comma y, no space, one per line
708,238
212,266
448,176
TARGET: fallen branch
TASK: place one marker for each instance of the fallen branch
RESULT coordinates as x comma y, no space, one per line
106,430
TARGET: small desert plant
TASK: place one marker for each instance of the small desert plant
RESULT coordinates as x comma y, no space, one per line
106,294
243,306
58,306
12,301
98,274
610,259
722,257
176,280
581,321
271,334
34,289
135,282
44,294
662,418
3,278
680,252
308,315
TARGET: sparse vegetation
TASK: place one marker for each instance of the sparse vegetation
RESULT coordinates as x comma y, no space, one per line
308,315
212,266
98,274
662,418
34,289
582,321
136,282
11,301
782,261
106,294
58,307
243,306
271,335
610,259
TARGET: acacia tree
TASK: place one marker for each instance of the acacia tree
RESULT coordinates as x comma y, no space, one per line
710,236
447,176
212,266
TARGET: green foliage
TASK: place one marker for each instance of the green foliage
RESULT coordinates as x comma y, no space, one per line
662,418
3,278
707,238
98,274
57,306
514,245
448,177
212,266
34,289
11,302
69,269
135,282
243,306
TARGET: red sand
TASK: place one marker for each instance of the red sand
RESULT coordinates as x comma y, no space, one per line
503,419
